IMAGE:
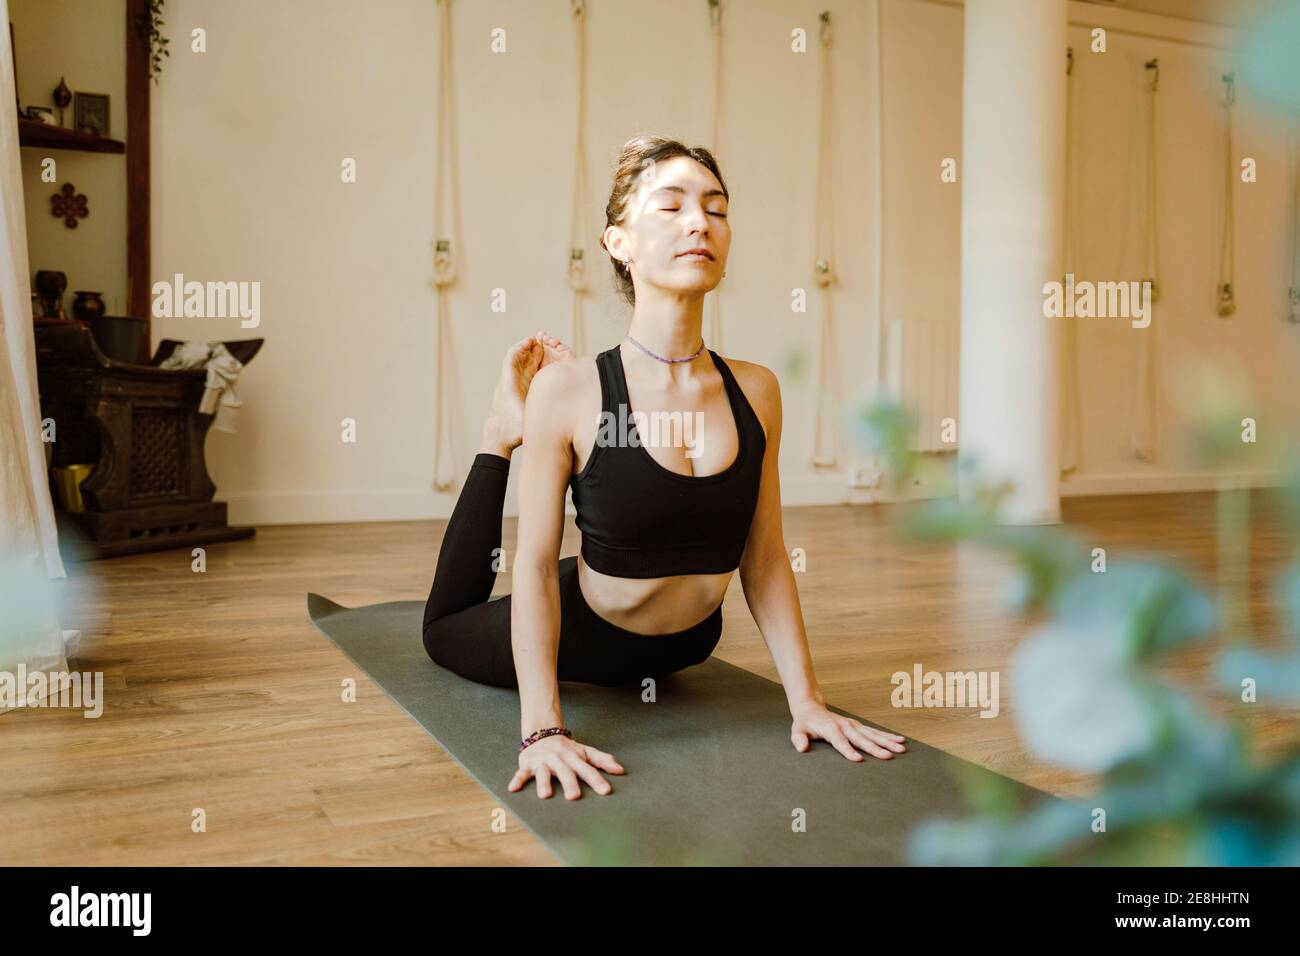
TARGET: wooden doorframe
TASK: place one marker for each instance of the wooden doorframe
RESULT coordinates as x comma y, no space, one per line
137,169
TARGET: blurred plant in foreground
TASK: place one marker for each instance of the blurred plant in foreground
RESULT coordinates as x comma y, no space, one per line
1177,787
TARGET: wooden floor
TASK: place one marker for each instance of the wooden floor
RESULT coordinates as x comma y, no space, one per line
221,695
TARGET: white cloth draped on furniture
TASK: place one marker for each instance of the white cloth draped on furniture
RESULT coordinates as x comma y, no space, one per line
219,398
30,635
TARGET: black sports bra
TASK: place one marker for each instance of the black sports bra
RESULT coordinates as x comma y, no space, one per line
641,520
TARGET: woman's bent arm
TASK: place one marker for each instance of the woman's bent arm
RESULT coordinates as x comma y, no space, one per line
535,591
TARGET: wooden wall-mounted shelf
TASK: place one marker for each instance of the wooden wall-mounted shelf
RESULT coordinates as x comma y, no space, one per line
35,133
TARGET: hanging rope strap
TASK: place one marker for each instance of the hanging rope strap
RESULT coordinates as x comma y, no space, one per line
1069,343
444,263
715,26
1153,235
577,271
1293,294
1227,302
1143,426
823,268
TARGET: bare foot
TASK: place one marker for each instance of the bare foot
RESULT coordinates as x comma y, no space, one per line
554,349
504,429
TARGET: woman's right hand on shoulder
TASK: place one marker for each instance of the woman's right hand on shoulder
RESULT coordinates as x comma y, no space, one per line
568,760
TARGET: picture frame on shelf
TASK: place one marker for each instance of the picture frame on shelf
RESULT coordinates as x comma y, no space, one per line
90,113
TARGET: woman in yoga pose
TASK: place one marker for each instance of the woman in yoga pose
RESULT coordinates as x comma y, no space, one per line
663,528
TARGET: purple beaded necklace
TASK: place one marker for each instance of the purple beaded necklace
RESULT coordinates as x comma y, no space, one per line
660,357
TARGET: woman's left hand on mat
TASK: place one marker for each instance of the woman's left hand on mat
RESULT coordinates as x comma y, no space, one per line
843,733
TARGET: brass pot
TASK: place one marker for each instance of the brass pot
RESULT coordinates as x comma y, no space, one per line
89,306
67,485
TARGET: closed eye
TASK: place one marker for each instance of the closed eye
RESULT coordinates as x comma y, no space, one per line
720,215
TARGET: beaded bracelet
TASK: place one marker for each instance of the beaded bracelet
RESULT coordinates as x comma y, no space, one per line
537,735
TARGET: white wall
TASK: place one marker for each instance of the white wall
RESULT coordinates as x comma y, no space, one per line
1190,129
922,111
248,139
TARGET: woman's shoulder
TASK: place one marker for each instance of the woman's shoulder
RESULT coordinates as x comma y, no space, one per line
760,386
754,378
567,385
559,378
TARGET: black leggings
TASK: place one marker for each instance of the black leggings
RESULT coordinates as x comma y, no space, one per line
469,634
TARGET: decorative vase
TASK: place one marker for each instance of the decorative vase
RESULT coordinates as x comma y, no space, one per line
89,306
51,283
62,97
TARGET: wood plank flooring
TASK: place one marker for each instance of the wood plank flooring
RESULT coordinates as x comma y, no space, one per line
222,696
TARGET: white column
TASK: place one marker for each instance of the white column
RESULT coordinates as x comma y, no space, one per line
1012,209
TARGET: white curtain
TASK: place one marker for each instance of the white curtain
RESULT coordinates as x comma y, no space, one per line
30,636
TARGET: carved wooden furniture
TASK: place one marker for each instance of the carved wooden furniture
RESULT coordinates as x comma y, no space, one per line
141,427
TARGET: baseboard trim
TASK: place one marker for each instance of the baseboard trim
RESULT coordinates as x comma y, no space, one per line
341,507
337,507
1139,484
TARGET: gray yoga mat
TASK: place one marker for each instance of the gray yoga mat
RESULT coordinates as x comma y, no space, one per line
712,777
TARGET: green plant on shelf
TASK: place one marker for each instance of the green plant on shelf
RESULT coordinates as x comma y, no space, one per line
150,23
